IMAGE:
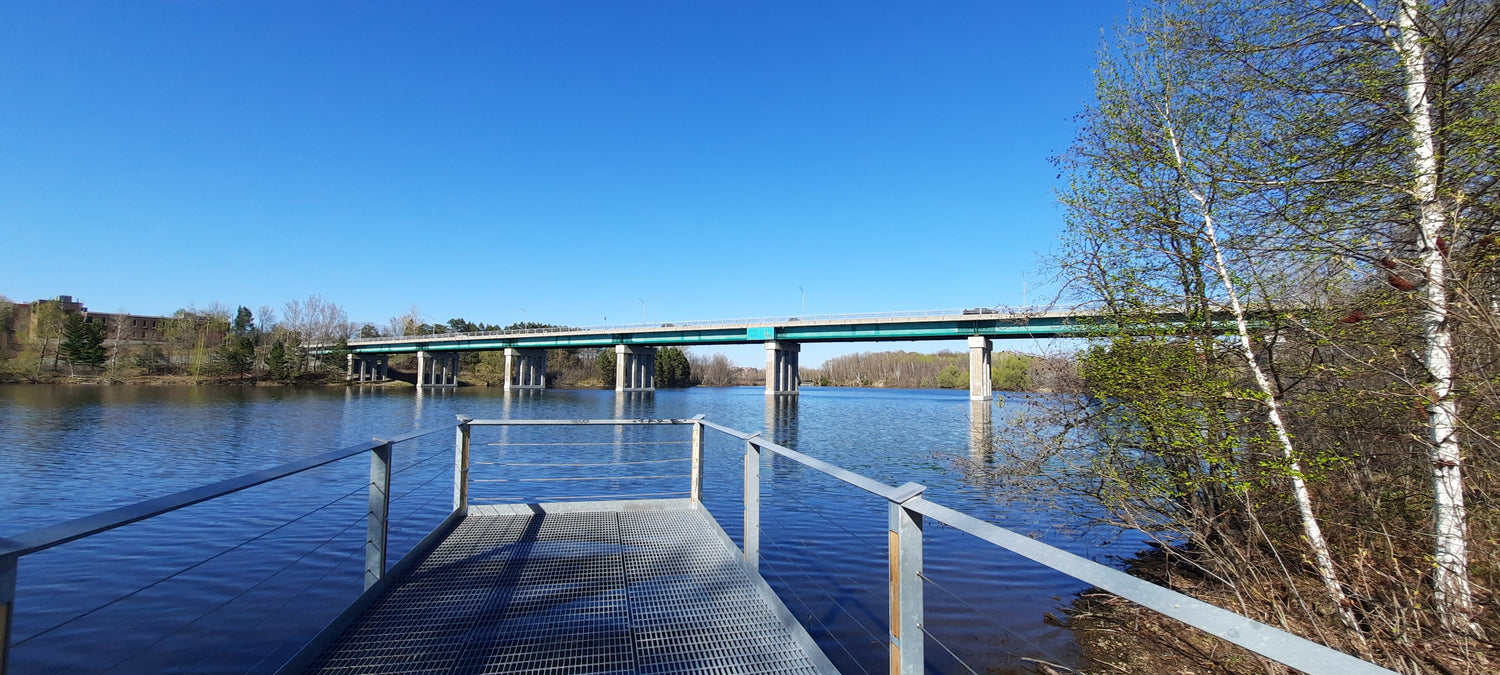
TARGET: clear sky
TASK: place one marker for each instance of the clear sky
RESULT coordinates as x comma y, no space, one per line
589,162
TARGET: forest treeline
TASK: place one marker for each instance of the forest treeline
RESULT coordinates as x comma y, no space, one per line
1320,180
270,345
45,342
1009,371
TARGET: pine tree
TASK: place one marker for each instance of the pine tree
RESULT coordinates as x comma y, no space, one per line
672,368
276,364
82,343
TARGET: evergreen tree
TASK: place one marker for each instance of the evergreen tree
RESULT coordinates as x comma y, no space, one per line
672,368
244,322
237,353
82,343
277,367
606,361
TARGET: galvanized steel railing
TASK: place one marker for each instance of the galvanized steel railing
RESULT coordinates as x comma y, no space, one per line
41,539
907,509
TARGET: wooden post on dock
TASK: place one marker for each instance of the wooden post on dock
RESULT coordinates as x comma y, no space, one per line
7,608
905,550
380,511
461,466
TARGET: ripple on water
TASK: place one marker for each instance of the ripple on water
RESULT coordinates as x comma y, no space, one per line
232,586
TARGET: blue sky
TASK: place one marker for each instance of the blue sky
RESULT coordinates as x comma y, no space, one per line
569,158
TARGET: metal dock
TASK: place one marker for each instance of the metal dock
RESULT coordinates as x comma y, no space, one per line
602,587
629,585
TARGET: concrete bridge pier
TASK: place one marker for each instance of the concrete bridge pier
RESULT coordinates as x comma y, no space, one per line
782,376
437,369
368,368
980,388
635,368
525,369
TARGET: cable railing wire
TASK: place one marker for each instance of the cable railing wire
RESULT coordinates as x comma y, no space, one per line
991,620
537,498
354,551
541,445
574,478
945,647
806,573
220,554
643,461
237,596
330,570
826,630
187,569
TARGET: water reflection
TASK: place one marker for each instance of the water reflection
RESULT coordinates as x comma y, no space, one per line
631,405
982,432
781,420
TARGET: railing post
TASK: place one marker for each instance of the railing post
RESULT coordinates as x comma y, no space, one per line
7,608
461,466
697,487
380,510
907,639
752,502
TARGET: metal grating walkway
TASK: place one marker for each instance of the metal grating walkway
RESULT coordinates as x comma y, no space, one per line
597,591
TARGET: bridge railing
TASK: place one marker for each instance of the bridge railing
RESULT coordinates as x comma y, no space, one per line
970,313
907,512
377,517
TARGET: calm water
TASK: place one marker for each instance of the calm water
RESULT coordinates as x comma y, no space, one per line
235,584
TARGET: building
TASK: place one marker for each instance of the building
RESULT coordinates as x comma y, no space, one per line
117,327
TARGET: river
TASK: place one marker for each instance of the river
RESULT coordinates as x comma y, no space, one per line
232,585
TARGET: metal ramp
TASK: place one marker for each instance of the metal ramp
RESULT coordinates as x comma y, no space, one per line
601,587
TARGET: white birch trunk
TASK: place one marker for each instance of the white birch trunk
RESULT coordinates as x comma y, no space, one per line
1322,556
1451,595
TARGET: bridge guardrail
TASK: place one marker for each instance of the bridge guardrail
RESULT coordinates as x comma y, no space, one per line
970,313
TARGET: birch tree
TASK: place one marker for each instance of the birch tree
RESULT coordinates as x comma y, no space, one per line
1155,161
1380,156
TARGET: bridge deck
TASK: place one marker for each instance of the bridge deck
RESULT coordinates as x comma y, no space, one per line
577,589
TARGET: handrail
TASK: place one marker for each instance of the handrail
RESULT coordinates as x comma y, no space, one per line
1260,638
548,423
53,535
907,509
1268,641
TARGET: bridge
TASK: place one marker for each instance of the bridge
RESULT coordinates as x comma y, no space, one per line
635,345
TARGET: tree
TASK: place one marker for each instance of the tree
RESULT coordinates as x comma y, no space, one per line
82,342
46,325
150,359
672,368
1372,147
1152,183
277,367
953,377
712,371
1319,180
244,322
606,363
236,354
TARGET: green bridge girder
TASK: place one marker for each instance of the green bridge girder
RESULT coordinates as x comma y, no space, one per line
995,326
